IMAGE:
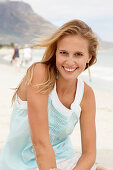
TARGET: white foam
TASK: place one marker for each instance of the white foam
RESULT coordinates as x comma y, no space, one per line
105,73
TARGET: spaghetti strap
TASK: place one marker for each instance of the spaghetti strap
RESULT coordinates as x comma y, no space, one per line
79,92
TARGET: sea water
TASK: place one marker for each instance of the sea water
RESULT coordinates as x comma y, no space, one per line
101,72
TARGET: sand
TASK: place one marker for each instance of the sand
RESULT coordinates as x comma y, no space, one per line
9,78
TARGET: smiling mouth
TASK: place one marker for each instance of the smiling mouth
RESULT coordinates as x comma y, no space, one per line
69,69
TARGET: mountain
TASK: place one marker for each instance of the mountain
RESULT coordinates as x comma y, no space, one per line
19,23
104,45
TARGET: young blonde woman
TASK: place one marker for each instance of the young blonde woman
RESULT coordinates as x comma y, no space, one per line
49,102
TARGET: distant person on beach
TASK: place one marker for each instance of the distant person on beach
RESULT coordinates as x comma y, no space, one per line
49,102
27,56
15,57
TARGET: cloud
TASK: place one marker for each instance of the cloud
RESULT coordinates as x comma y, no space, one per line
94,12
64,9
69,8
1,0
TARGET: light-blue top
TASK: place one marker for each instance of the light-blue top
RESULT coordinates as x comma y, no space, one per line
18,154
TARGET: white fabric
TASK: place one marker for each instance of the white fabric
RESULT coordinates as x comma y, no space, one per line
21,103
76,104
66,164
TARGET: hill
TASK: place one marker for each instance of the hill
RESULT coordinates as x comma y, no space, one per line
19,23
104,45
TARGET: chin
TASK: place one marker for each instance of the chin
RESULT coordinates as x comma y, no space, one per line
69,78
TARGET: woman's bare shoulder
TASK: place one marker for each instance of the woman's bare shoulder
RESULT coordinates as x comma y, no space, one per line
88,94
39,73
88,91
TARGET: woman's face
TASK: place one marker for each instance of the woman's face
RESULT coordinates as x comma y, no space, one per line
71,56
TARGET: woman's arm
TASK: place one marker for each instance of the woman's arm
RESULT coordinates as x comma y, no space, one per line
88,131
38,121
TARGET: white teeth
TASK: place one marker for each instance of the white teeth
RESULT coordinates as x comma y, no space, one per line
67,69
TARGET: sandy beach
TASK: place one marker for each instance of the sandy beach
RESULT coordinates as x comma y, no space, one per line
9,78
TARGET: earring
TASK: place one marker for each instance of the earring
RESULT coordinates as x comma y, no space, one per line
57,76
57,73
90,79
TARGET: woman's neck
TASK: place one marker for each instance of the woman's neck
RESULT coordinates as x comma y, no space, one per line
66,86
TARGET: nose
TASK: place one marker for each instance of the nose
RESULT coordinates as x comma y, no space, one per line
70,60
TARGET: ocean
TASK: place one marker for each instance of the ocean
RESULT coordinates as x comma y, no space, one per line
101,72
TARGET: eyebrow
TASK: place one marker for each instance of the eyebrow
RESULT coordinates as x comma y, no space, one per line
74,52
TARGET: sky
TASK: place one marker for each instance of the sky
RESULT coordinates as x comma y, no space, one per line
98,14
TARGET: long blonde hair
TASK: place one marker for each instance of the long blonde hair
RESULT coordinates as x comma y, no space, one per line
73,27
